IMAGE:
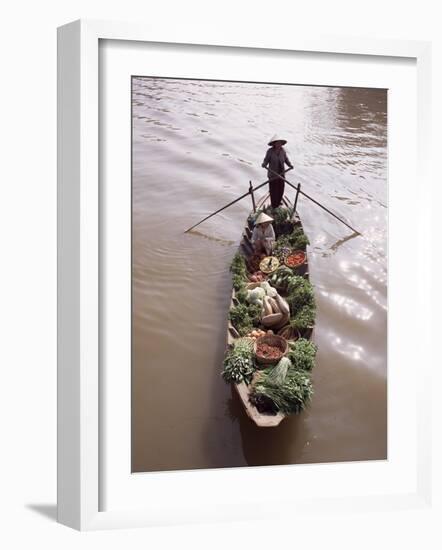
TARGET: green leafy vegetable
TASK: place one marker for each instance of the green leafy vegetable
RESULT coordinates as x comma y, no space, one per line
240,318
302,354
244,345
255,312
304,317
239,275
290,396
297,239
238,266
241,295
244,317
300,293
238,363
238,282
280,215
277,374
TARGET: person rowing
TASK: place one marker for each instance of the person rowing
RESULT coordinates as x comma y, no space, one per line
275,160
263,236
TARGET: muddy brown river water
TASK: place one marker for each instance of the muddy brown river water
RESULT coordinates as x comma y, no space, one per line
196,145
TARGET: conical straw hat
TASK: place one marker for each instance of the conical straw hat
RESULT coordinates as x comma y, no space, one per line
263,218
277,138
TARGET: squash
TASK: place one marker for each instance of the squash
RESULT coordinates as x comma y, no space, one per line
274,305
272,320
284,320
267,307
282,304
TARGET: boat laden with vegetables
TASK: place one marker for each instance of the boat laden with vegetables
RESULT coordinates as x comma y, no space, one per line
270,355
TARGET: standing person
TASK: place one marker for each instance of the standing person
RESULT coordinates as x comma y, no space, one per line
275,159
263,236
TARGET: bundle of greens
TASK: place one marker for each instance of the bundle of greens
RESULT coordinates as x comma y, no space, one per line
304,318
255,313
289,395
280,215
244,317
239,275
240,318
300,293
238,265
238,283
278,373
297,239
238,363
281,221
241,294
301,300
302,354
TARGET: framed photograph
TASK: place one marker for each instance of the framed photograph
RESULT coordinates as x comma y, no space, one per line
236,226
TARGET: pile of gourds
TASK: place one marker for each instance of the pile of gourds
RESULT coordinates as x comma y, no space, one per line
275,310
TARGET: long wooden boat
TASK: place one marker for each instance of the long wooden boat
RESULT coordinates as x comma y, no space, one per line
264,420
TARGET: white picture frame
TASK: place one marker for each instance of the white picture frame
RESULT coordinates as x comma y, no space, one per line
79,368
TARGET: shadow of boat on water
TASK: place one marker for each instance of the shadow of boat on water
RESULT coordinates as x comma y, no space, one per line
283,444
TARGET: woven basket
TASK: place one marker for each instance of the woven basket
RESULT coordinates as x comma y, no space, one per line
271,340
291,254
294,334
264,267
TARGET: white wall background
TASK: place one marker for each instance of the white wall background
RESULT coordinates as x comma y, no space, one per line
28,270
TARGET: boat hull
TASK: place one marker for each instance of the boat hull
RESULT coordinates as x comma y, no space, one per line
243,390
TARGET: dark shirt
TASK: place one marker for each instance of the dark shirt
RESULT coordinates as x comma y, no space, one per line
275,160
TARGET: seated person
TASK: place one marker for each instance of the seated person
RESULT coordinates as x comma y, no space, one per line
263,236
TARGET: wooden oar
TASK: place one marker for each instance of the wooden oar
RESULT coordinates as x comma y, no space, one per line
249,192
315,201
